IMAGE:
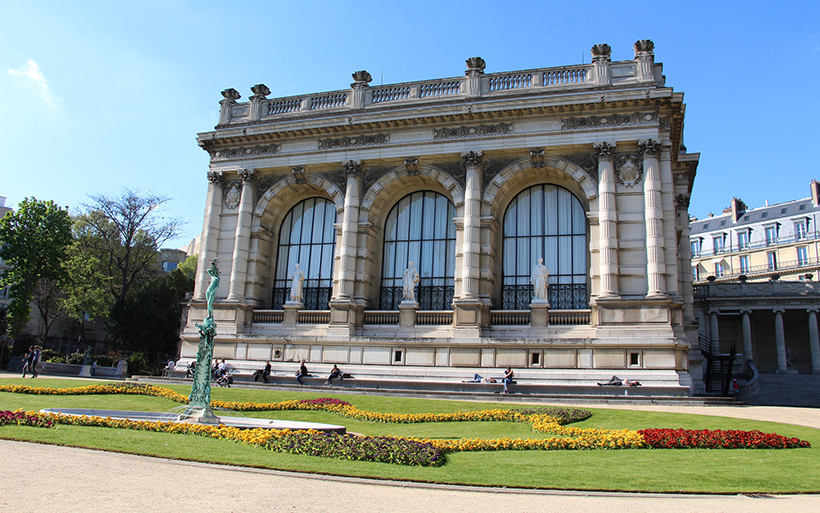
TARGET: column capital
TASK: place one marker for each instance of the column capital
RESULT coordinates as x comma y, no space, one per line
472,158
353,167
778,310
606,150
247,175
813,309
649,147
745,311
216,178
713,311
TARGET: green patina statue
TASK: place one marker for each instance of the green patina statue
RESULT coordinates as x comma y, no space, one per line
200,398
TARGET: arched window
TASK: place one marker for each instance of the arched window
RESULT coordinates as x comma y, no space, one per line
307,237
545,221
420,229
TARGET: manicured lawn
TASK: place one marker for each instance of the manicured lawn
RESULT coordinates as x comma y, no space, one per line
656,470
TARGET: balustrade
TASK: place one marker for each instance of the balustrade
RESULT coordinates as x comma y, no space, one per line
569,76
505,82
328,101
313,317
389,94
285,106
434,318
569,317
268,316
510,317
381,317
439,89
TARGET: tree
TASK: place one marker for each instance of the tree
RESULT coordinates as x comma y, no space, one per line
125,234
85,287
149,319
46,298
188,267
33,241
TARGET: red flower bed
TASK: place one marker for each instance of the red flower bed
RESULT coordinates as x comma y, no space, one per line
717,439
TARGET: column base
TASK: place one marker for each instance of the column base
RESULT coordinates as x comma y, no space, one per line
407,313
291,312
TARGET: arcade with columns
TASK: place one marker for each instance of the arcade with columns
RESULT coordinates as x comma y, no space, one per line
473,180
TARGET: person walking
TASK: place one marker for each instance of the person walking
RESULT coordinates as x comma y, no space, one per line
35,360
27,360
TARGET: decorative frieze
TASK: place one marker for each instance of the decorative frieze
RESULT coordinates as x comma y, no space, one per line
610,121
259,150
354,141
629,172
463,132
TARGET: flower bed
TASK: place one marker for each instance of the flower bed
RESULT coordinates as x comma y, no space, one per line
717,439
397,450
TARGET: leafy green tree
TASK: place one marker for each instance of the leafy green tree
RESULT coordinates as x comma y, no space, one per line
125,234
188,267
149,320
85,287
33,241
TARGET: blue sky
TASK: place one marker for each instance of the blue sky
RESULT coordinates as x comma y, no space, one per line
97,96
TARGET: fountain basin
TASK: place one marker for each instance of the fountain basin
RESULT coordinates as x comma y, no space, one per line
238,422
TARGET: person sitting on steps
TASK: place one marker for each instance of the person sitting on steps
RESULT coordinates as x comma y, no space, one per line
334,373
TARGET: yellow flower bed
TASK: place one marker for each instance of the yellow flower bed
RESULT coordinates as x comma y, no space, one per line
569,437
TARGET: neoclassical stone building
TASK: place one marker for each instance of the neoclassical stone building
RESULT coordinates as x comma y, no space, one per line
471,181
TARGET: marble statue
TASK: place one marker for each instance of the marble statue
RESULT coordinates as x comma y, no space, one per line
296,285
411,277
539,280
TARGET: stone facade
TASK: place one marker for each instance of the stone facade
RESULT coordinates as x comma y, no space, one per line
474,179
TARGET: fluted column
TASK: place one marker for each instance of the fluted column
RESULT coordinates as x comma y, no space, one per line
471,247
747,335
814,341
780,341
670,237
210,232
242,240
607,220
655,269
350,230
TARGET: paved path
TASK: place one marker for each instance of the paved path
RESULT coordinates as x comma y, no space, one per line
40,478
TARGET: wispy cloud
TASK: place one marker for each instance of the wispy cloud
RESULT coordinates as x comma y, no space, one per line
34,74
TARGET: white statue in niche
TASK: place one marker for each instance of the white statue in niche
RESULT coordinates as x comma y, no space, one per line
296,285
539,280
411,277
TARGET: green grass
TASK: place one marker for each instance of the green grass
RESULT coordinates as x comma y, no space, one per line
650,470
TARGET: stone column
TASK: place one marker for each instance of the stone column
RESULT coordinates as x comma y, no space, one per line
670,236
655,269
607,220
601,57
350,230
780,340
342,305
814,340
242,240
226,105
747,336
714,333
210,233
471,248
644,60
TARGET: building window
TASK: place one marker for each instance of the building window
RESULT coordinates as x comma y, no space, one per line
718,243
308,238
772,260
169,266
719,269
802,255
696,272
771,235
744,264
695,248
802,207
800,230
420,229
545,221
743,239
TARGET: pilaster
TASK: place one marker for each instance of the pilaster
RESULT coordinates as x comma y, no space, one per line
260,91
644,59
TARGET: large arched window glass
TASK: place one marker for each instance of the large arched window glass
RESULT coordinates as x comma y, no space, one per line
545,221
420,229
307,238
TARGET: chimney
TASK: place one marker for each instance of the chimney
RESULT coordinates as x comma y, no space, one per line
815,193
738,209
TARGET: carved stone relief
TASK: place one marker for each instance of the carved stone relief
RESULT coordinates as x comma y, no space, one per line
354,141
628,172
216,177
244,151
610,120
232,195
537,158
462,132
299,174
411,165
